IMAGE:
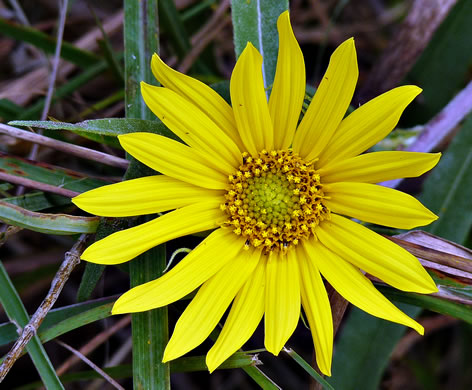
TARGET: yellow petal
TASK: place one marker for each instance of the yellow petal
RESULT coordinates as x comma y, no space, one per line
173,159
374,254
377,204
317,309
368,124
348,281
250,103
146,195
288,92
379,166
201,95
329,104
210,303
198,266
127,244
282,300
246,313
191,125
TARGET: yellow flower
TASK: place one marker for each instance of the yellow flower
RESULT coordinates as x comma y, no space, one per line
277,195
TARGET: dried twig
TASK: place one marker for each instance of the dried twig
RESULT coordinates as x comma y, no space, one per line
92,365
424,18
55,65
203,37
66,147
93,344
71,259
23,181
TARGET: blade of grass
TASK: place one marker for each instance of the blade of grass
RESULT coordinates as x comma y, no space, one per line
42,41
309,369
60,224
149,329
15,310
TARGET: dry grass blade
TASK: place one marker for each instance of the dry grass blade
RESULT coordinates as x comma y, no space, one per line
94,343
108,378
22,181
65,147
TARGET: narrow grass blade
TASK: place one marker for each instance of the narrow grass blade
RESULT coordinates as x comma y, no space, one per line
76,315
42,41
172,23
309,369
15,310
60,224
149,329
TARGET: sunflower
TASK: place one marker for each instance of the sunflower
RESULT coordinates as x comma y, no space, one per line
277,192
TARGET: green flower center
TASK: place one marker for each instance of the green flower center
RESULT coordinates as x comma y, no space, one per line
274,200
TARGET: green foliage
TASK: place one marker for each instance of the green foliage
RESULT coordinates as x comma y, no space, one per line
256,22
11,302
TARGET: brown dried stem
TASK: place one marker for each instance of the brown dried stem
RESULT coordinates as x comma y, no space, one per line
414,34
65,147
23,181
107,377
93,344
71,260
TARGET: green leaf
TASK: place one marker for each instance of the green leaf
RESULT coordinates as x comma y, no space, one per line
15,310
444,66
149,329
447,189
49,174
185,364
42,41
309,369
454,309
93,271
61,224
363,349
37,201
172,23
256,22
447,192
112,127
56,316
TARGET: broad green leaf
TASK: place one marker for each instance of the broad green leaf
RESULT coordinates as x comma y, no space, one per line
363,349
444,66
43,41
447,189
256,22
61,224
11,302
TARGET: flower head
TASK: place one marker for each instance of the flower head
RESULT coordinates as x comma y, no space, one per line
278,192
